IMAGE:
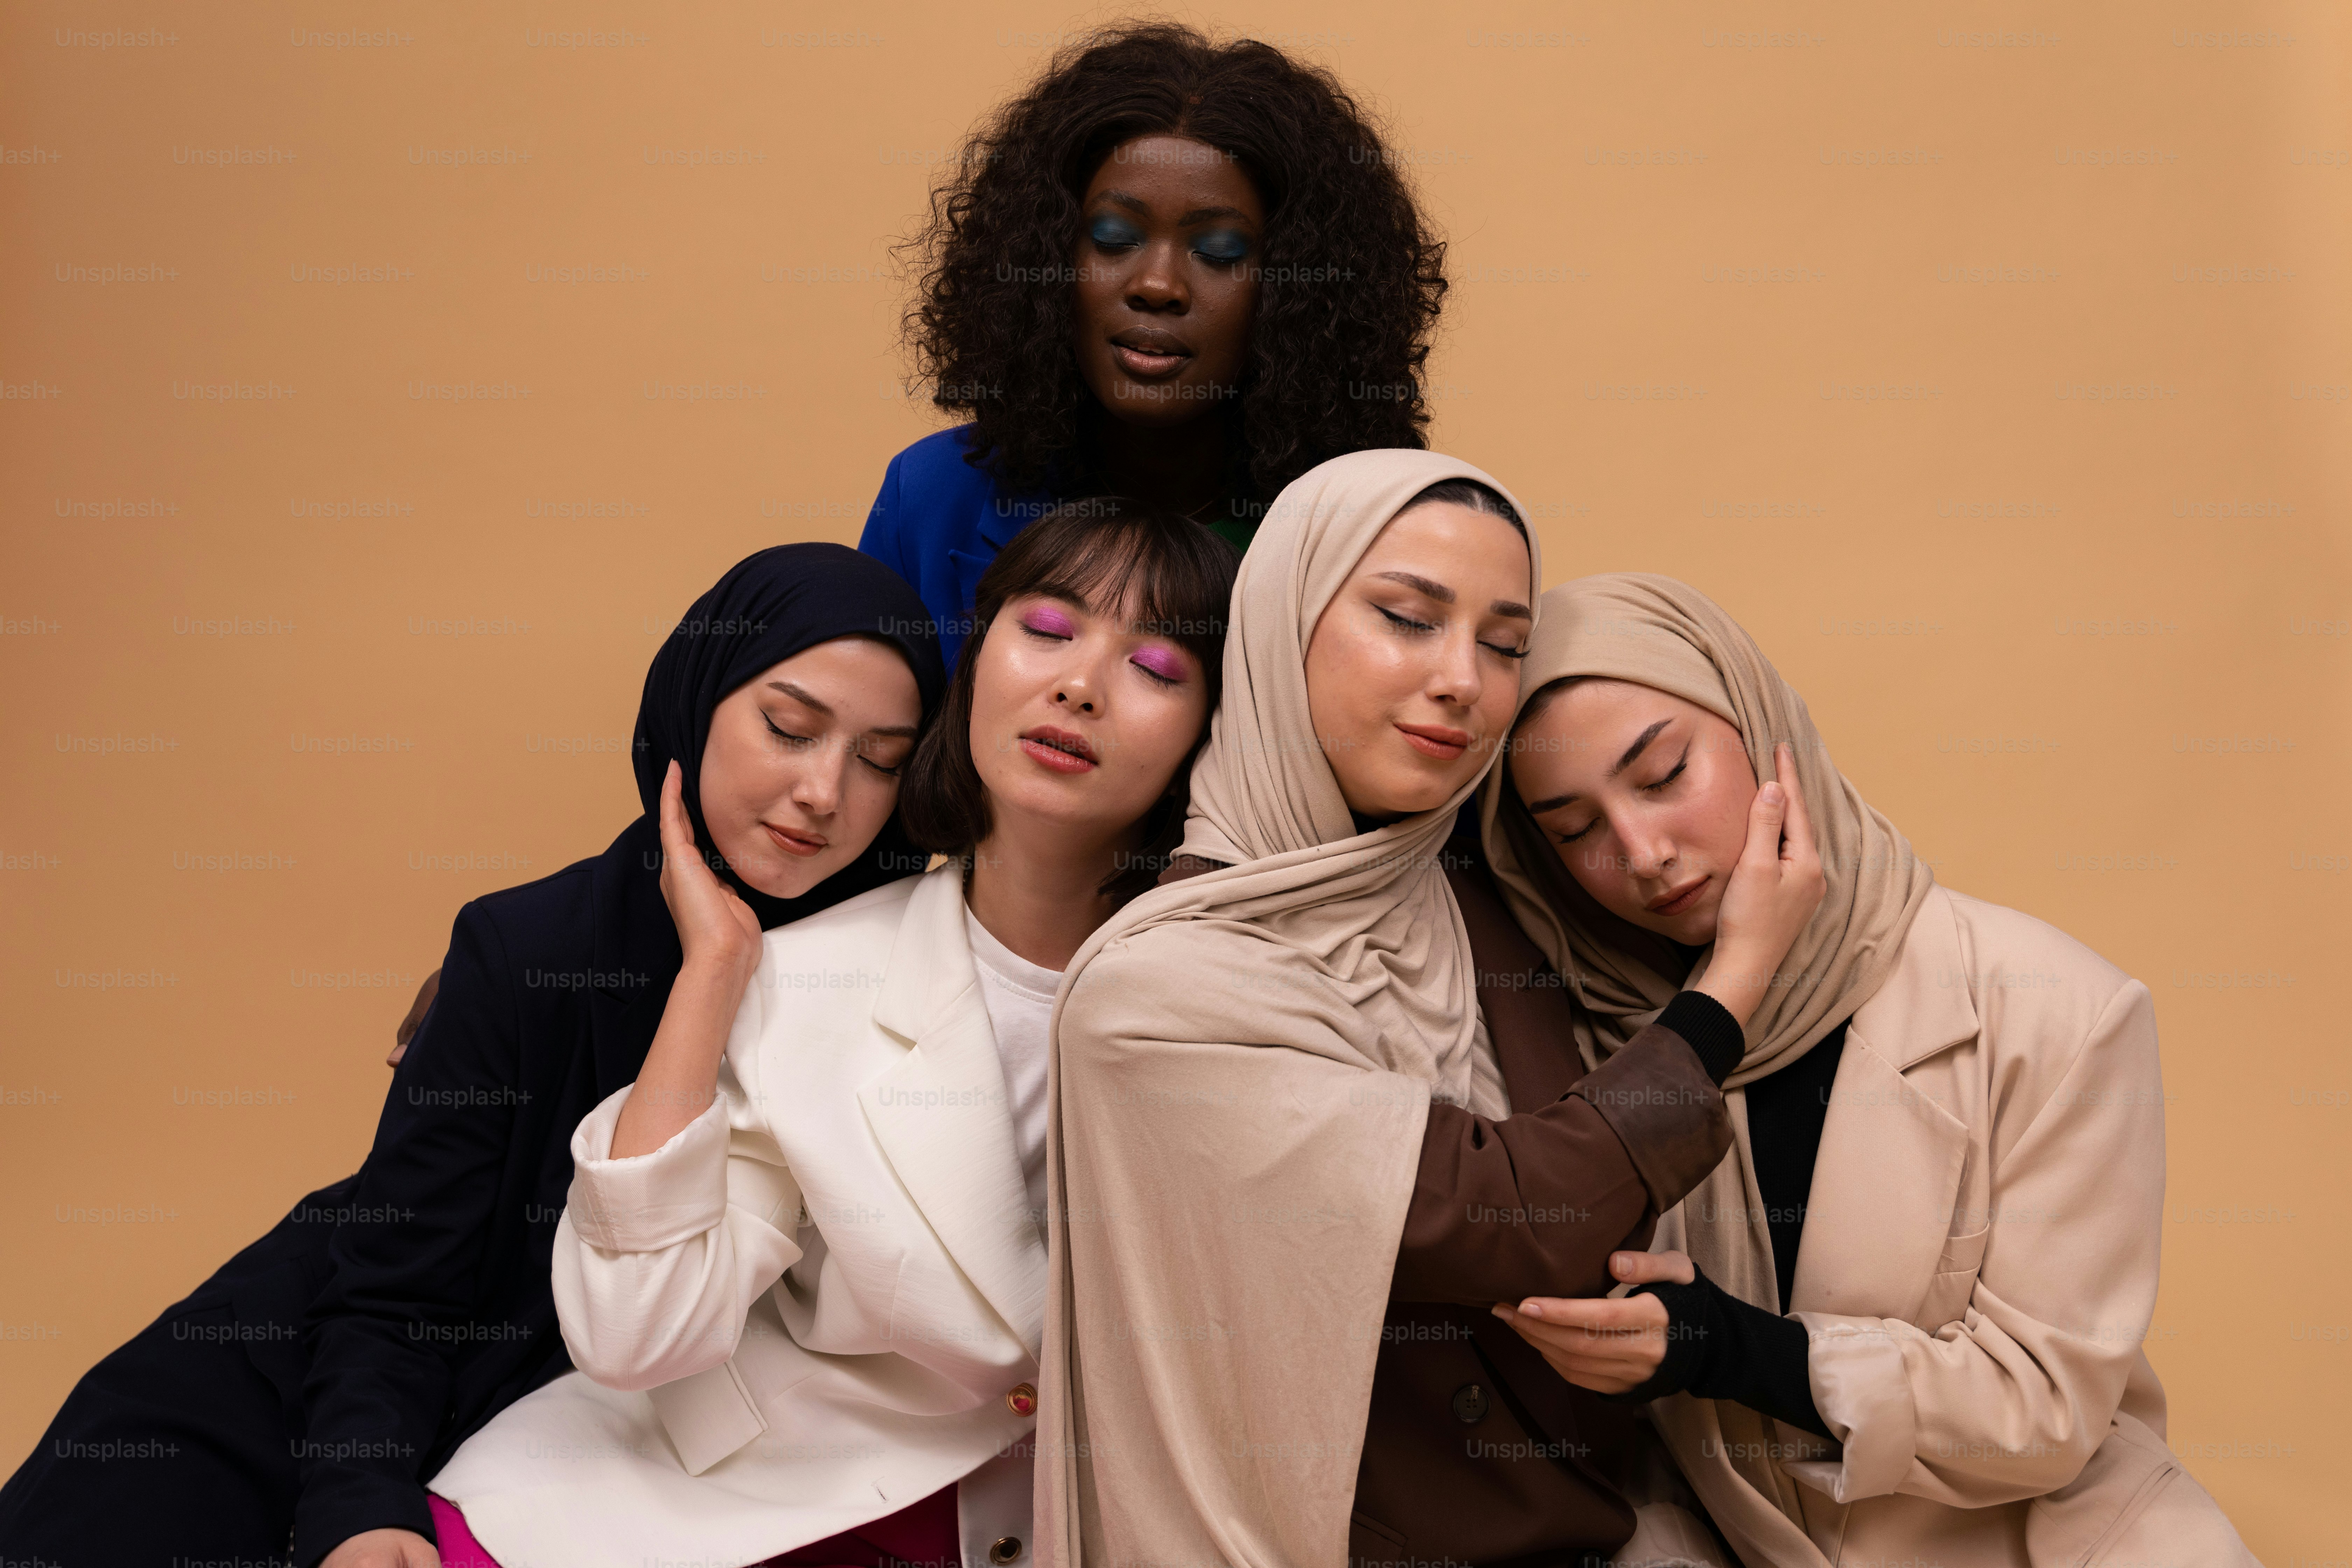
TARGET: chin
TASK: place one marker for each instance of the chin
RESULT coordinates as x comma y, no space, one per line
786,881
1691,929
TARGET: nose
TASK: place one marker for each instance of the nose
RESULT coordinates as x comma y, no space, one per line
817,786
1648,853
1159,286
1082,688
1456,679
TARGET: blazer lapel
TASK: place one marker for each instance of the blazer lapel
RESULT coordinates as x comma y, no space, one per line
1891,1159
940,1112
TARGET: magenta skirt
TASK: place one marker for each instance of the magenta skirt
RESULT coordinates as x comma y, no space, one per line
920,1535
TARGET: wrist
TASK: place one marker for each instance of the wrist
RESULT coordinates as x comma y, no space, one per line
727,969
1735,982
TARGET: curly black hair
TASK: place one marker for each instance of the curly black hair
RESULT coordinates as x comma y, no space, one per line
1350,292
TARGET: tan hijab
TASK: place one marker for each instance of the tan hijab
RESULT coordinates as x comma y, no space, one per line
1660,632
1243,1066
1667,635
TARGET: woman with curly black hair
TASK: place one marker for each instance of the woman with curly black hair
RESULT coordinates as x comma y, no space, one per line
1173,269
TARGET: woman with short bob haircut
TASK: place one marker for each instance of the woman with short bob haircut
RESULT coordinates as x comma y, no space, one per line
802,1264
1903,1322
1172,268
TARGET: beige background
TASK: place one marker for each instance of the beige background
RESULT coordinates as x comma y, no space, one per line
2028,622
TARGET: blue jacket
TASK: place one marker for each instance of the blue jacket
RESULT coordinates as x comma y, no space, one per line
939,523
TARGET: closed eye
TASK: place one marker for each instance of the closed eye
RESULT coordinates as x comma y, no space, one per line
1404,623
1109,234
1505,652
786,736
1674,774
1159,677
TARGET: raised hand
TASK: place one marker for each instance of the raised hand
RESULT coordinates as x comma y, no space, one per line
1773,891
716,929
720,937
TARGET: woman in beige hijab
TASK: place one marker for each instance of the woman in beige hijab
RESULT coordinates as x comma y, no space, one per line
1949,1167
1315,1107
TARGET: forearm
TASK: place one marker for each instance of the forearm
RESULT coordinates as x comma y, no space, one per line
658,1258
373,1406
680,1078
1720,1347
1534,1204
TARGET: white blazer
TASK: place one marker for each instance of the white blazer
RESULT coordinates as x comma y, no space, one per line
818,1303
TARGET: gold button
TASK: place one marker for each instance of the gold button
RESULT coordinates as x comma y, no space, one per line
1023,1401
1006,1549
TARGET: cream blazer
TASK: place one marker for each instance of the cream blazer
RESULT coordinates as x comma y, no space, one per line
1978,1273
819,1302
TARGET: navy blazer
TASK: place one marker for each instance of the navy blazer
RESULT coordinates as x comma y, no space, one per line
438,1312
939,523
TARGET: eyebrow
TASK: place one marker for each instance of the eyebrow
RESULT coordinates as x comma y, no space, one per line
807,698
1421,585
1198,214
1445,596
1640,742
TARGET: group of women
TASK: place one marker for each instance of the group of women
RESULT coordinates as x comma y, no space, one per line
1328,1053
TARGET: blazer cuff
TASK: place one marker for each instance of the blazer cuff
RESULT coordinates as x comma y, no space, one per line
648,1203
336,1507
1862,1390
1657,1098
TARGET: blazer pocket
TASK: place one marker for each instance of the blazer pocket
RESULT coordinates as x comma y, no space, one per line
1955,1281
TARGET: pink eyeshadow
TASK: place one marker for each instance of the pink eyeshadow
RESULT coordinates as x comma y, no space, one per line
1161,662
1051,622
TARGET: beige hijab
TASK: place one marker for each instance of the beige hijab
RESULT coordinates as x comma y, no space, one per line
1660,632
1667,635
1243,1066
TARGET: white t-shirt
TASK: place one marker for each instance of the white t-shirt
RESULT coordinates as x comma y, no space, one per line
1020,999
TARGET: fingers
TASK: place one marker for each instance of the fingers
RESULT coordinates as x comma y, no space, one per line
1800,821
1766,813
1651,1267
677,832
1598,1314
1606,1363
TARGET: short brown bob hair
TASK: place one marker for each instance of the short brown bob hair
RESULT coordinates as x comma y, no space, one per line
1096,551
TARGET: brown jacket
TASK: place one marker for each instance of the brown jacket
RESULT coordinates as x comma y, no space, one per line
1475,1452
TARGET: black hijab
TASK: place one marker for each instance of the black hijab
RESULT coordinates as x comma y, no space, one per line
768,607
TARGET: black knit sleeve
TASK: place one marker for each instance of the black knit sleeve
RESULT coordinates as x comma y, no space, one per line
1720,1347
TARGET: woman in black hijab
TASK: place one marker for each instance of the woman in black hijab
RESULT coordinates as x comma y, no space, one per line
298,1400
